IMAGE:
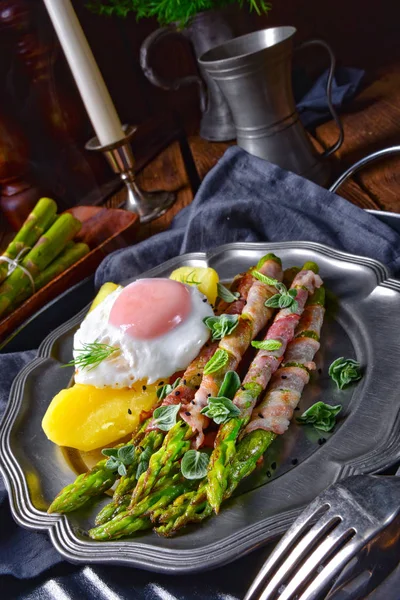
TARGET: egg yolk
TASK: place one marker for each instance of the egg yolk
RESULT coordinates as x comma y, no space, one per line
149,308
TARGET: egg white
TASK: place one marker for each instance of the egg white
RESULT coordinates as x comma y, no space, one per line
153,359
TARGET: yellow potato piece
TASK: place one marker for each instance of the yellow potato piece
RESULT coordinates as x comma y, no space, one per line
86,417
205,278
105,290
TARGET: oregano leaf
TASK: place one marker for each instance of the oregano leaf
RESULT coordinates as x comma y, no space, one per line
165,416
194,464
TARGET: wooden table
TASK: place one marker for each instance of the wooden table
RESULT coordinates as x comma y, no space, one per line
371,122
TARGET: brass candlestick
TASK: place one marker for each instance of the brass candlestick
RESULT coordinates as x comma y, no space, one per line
148,205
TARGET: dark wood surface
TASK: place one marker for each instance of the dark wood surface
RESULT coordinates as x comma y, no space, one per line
371,122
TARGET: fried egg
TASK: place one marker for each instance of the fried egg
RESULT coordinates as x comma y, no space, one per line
156,326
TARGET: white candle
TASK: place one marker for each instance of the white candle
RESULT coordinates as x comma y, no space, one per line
89,80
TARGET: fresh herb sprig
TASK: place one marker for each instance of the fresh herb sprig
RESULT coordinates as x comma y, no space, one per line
216,362
269,345
221,408
119,458
91,355
322,416
189,279
221,326
194,464
345,371
165,416
169,11
226,295
164,390
284,298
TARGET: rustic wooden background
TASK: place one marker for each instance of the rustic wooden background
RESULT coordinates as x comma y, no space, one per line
42,117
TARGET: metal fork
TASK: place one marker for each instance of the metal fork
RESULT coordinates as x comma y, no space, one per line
337,540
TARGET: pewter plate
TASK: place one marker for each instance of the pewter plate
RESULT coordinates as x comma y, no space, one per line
363,321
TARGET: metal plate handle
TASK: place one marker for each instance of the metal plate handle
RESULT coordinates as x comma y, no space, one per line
363,162
161,82
332,109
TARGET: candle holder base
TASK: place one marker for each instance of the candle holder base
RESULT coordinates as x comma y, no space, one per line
147,205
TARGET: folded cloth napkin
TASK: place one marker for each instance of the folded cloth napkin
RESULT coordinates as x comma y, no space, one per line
312,103
242,199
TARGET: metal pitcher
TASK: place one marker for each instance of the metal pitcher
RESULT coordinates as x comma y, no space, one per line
205,30
254,74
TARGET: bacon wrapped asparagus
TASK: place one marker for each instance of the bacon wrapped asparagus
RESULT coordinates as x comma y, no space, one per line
278,407
254,317
265,363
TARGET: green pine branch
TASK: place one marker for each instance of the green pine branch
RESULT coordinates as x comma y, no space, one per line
169,11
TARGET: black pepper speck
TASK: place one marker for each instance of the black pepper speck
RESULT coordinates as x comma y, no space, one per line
295,461
273,466
177,393
187,413
129,411
321,441
161,383
283,376
260,415
144,388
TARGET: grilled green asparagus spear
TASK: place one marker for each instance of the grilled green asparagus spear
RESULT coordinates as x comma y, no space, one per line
173,445
126,523
194,507
246,397
93,483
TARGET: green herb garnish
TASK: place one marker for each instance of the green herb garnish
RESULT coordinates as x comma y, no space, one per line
119,458
189,279
225,294
230,385
165,416
322,416
267,345
216,362
144,460
284,299
264,278
344,371
221,326
164,390
220,409
194,464
91,355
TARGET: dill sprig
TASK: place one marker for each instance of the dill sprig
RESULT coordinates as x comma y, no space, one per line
91,355
190,279
169,11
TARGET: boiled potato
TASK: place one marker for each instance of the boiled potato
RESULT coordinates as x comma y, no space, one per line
205,278
86,417
105,290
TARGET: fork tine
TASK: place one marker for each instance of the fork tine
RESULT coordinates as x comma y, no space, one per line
270,570
301,552
336,538
331,569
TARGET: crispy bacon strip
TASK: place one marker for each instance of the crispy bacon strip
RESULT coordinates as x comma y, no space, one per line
254,317
266,362
184,393
284,392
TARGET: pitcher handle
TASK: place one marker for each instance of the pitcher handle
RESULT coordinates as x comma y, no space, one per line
159,81
332,109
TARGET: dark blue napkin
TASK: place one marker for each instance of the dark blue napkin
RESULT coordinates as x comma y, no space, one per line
311,99
242,199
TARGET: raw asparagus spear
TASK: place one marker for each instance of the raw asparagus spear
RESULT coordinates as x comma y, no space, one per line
70,255
260,371
50,245
38,221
